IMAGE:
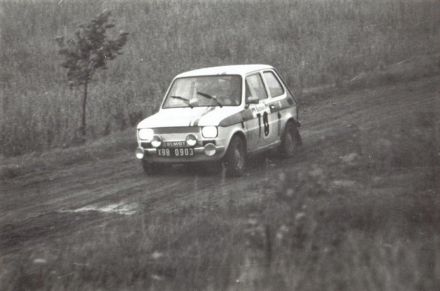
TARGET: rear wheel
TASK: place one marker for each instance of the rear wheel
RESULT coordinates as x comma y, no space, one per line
290,141
235,157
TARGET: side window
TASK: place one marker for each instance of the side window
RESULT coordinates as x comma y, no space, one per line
275,88
255,87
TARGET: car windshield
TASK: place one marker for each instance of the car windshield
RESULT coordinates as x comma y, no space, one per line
224,90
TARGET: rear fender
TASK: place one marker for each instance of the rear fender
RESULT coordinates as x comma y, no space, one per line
290,119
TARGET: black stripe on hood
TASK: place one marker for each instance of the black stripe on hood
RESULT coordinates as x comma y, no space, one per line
241,116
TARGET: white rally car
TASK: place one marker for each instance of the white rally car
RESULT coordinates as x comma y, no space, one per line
220,115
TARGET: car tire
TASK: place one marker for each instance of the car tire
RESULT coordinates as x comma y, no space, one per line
235,157
151,168
290,141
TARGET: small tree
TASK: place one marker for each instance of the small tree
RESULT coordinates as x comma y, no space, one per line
90,50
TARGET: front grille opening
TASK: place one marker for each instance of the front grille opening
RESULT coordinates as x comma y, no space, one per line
183,129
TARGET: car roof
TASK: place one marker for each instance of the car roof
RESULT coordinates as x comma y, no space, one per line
225,70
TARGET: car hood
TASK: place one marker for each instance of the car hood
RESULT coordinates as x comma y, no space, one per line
197,116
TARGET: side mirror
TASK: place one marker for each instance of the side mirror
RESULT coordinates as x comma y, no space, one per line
252,100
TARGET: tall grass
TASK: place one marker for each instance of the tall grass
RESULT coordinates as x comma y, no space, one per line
311,42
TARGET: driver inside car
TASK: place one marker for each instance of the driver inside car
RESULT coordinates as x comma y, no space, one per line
230,91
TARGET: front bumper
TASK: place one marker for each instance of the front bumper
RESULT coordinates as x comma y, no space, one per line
200,155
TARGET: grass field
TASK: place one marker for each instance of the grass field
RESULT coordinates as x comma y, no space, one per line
353,213
313,43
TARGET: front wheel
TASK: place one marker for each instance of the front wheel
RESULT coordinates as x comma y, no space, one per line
290,141
235,157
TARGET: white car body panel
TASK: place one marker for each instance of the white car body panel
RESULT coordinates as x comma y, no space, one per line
201,116
175,124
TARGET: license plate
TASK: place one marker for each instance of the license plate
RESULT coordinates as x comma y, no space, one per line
175,152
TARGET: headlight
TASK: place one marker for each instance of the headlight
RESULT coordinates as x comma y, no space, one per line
146,134
209,131
139,153
191,140
156,142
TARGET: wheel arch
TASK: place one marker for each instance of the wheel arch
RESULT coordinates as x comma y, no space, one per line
292,120
241,135
296,124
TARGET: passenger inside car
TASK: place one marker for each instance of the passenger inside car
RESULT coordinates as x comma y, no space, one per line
230,94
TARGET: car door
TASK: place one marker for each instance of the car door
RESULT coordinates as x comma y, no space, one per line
258,126
275,103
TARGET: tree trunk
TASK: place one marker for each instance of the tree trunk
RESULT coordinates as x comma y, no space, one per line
83,116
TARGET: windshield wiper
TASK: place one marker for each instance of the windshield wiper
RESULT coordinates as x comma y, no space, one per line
182,98
209,97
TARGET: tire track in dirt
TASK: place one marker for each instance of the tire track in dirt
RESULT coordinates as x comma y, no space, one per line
32,206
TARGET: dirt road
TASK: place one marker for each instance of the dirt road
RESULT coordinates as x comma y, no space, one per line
42,205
